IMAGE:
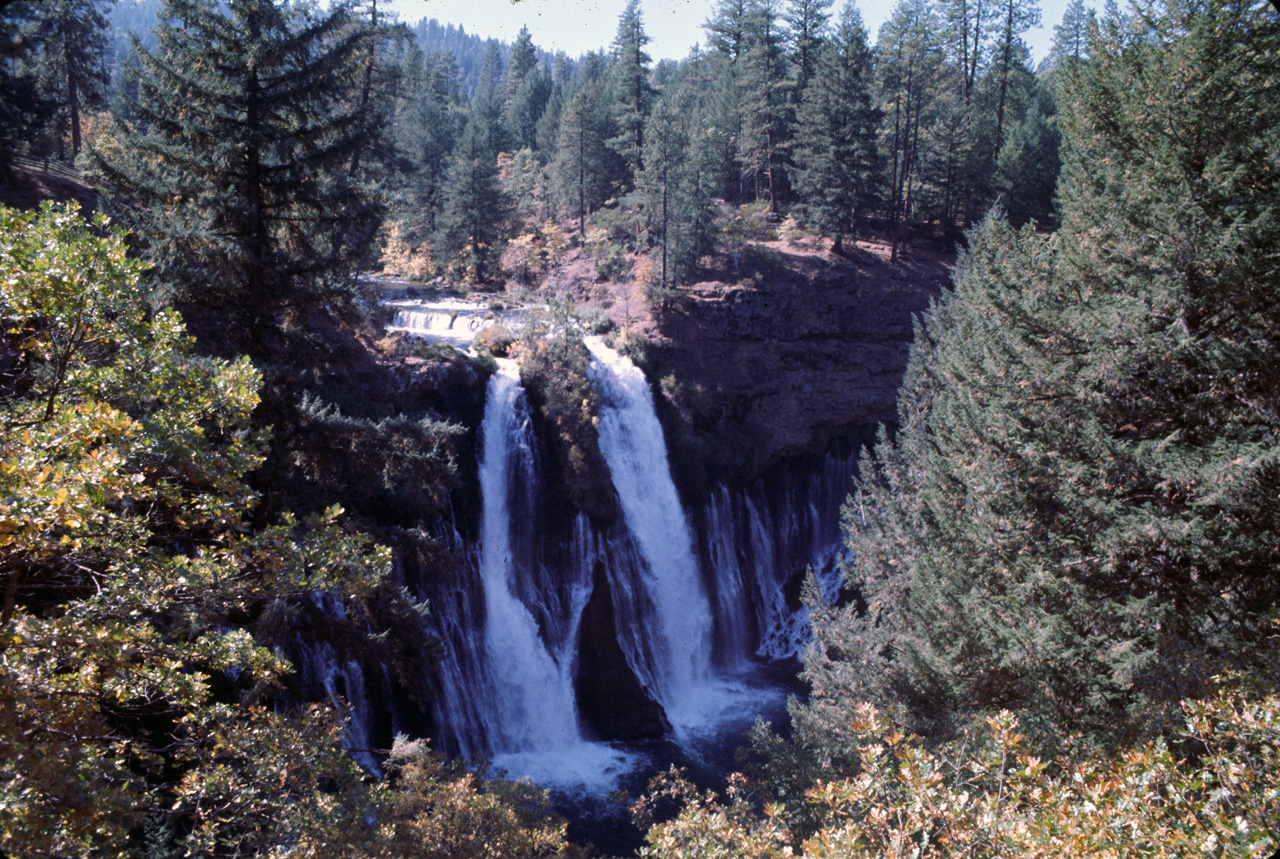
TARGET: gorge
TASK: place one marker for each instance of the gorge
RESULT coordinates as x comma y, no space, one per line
570,635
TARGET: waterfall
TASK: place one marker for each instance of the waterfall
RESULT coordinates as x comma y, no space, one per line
343,684
528,709
759,538
680,605
665,616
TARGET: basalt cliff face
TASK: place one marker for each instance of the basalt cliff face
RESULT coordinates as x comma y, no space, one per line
765,368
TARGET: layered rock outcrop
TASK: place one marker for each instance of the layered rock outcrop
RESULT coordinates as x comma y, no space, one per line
769,367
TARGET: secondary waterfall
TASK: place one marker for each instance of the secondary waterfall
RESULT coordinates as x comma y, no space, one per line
665,615
530,716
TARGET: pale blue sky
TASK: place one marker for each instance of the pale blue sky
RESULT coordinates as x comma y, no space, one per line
578,26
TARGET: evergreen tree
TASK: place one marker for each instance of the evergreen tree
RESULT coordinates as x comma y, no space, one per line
967,28
761,78
1071,35
73,43
1015,17
583,163
487,104
909,63
526,108
238,182
630,90
967,35
729,27
472,222
1027,169
521,62
836,156
806,25
379,85
524,93
426,132
1078,516
22,109
675,189
548,125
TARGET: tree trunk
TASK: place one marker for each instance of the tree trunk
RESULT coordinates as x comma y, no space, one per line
73,102
1005,59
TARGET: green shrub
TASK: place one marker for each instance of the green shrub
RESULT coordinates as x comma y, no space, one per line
1212,788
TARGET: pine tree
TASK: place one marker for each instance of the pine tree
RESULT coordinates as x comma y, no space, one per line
238,184
630,90
676,188
909,62
22,109
967,25
806,26
967,34
763,132
728,28
379,85
1015,17
548,125
526,108
583,163
836,156
73,46
487,104
1078,516
425,132
472,222
521,62
1028,166
1071,35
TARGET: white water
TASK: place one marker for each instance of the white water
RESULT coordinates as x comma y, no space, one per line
448,321
665,616
454,321
532,720
344,684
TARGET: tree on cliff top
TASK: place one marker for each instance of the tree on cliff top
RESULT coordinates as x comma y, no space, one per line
836,158
248,116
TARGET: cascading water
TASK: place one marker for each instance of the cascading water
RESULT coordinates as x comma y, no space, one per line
665,616
527,705
682,606
759,538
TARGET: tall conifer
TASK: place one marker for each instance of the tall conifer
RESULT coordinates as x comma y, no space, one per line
73,44
248,117
472,222
1078,516
631,92
583,163
836,156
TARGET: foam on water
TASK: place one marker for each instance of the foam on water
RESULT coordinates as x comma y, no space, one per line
532,723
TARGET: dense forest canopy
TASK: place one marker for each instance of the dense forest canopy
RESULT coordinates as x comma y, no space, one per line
1060,629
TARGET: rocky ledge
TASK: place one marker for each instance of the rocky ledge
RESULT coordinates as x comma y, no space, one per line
805,346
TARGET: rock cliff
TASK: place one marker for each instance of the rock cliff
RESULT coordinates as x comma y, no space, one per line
807,346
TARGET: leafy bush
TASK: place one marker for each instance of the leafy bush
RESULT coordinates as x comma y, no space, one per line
988,794
134,583
142,704
554,370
